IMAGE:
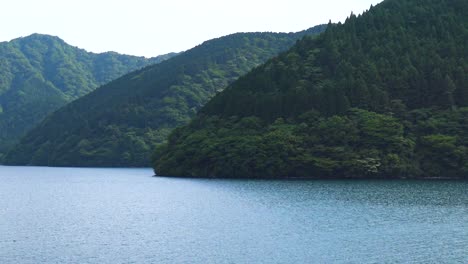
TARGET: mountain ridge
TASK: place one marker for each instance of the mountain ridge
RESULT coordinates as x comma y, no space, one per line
41,73
120,123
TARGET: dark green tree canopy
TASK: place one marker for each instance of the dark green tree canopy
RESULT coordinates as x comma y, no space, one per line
383,95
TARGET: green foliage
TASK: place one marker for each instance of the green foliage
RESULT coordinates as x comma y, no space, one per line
40,73
124,120
359,143
383,95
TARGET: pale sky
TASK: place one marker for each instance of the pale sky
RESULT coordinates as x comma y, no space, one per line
153,27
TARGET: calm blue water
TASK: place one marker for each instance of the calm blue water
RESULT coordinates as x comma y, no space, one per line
60,215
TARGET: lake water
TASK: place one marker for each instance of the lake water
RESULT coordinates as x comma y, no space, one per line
61,215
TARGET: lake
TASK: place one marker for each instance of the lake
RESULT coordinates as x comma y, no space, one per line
65,215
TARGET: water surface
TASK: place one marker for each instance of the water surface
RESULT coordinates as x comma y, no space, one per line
63,215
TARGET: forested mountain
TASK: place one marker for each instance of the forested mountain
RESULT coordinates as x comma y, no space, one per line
120,123
383,95
40,73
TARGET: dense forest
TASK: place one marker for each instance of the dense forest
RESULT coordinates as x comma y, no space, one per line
40,73
383,95
120,123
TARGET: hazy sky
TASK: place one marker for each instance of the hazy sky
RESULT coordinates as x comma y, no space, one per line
153,27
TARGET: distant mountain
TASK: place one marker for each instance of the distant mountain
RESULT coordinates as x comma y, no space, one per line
120,123
41,73
384,95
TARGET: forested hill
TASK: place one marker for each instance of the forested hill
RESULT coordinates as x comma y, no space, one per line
40,73
383,95
120,123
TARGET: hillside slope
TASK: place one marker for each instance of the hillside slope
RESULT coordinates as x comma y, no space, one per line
384,95
120,123
40,73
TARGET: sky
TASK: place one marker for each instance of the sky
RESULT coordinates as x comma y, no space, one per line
154,27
